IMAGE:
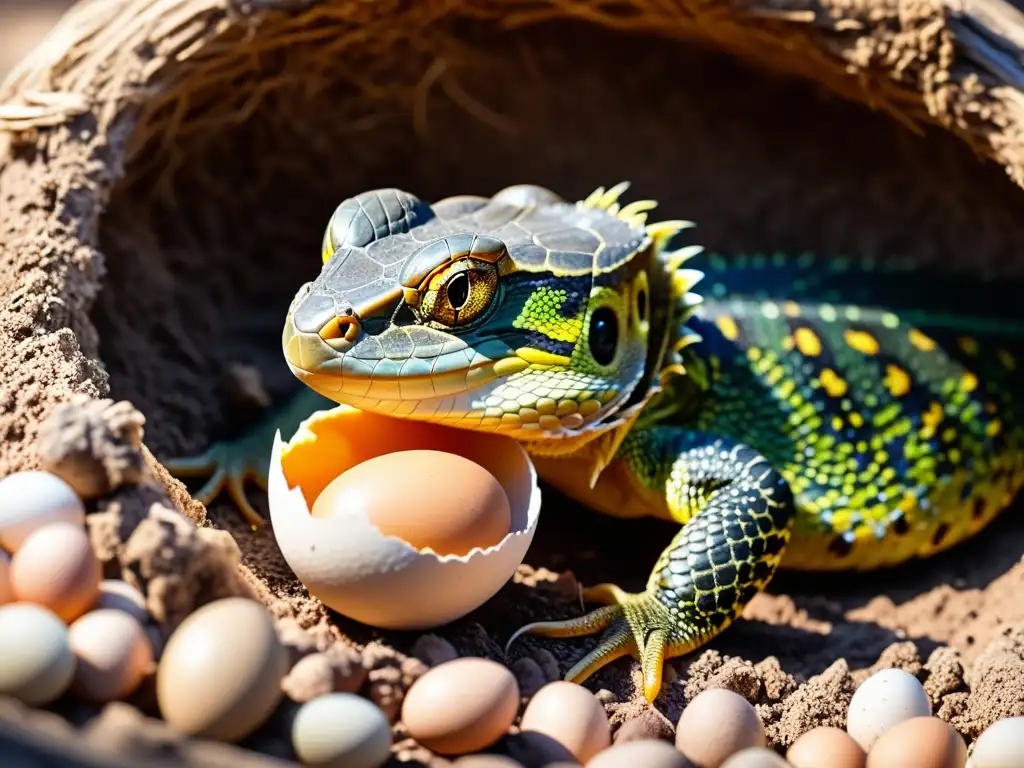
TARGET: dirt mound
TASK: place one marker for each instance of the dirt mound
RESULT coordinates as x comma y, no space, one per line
168,168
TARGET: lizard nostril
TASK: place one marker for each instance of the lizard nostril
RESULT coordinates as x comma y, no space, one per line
346,328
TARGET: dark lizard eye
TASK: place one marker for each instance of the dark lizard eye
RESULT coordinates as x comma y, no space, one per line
458,291
603,336
641,304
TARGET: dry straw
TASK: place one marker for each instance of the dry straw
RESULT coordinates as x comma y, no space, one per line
185,67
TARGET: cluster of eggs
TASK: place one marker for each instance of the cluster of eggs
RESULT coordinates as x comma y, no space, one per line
62,626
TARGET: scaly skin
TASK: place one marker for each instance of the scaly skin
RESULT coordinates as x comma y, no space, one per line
809,415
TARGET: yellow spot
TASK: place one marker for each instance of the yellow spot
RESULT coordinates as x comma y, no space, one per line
807,342
837,423
933,416
833,383
856,419
897,381
728,327
1007,359
922,342
787,343
791,309
993,428
968,382
862,341
968,344
540,357
754,354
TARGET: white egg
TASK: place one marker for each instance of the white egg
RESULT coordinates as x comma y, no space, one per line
885,699
353,568
30,500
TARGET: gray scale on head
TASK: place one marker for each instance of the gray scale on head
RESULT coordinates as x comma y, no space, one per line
386,237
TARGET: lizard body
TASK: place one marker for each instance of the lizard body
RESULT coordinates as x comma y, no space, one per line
804,414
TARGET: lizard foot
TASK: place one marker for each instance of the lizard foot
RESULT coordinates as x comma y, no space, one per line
228,465
634,624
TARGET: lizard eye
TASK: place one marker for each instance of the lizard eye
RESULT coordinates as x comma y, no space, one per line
460,293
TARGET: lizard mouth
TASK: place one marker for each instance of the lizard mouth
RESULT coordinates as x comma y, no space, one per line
400,365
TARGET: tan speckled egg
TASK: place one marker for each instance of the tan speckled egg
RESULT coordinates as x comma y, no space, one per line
761,757
55,567
649,753
921,742
36,662
1001,745
221,670
114,655
817,745
717,724
884,700
461,706
572,716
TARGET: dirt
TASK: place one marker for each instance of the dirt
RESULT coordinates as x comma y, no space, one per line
149,245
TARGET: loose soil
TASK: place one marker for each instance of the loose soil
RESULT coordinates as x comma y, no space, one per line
151,256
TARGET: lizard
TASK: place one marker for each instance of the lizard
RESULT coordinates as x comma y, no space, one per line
799,412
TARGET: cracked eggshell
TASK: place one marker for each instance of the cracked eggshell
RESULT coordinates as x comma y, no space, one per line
353,568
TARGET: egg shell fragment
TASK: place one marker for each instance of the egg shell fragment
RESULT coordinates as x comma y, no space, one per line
461,706
221,670
923,742
113,655
36,662
1001,745
348,564
572,716
885,699
812,748
716,724
56,568
32,499
649,753
341,730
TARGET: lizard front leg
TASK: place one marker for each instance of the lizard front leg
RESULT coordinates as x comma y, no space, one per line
736,511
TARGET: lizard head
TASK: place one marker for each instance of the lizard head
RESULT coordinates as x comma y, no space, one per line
519,313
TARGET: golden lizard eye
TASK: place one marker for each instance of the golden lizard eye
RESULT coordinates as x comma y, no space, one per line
459,293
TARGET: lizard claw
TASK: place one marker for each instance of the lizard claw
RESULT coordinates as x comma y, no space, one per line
636,625
228,465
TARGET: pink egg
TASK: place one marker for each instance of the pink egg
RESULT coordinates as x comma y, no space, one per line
55,567
6,594
113,652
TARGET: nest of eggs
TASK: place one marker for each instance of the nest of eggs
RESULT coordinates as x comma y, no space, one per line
168,167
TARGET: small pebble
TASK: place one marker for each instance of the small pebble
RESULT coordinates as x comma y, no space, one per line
341,730
433,650
717,724
760,757
30,500
883,700
121,596
113,655
808,750
56,568
36,662
461,706
570,714
649,753
923,742
220,675
1001,745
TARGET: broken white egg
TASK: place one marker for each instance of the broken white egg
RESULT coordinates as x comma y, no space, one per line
348,563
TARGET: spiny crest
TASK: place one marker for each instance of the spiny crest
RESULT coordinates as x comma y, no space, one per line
634,214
